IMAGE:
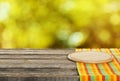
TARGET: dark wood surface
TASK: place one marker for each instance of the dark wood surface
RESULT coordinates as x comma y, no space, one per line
37,65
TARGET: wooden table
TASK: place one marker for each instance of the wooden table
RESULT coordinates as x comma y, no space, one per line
37,65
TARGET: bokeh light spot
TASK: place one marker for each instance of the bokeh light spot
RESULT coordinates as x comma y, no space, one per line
104,36
4,10
115,19
111,7
68,6
76,39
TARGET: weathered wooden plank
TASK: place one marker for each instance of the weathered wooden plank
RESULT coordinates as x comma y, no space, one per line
58,79
34,56
37,65
43,65
36,51
38,73
33,61
43,70
39,79
33,74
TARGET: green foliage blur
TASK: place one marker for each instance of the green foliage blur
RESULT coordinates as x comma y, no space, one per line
59,23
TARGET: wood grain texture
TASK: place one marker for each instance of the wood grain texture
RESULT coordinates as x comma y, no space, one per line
36,51
37,65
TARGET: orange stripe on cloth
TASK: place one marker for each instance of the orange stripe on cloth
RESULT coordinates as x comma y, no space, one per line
118,53
100,72
82,70
114,66
94,70
109,69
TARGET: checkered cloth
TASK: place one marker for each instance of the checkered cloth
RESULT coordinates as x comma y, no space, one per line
100,72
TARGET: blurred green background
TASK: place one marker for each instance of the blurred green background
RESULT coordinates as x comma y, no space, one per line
59,23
